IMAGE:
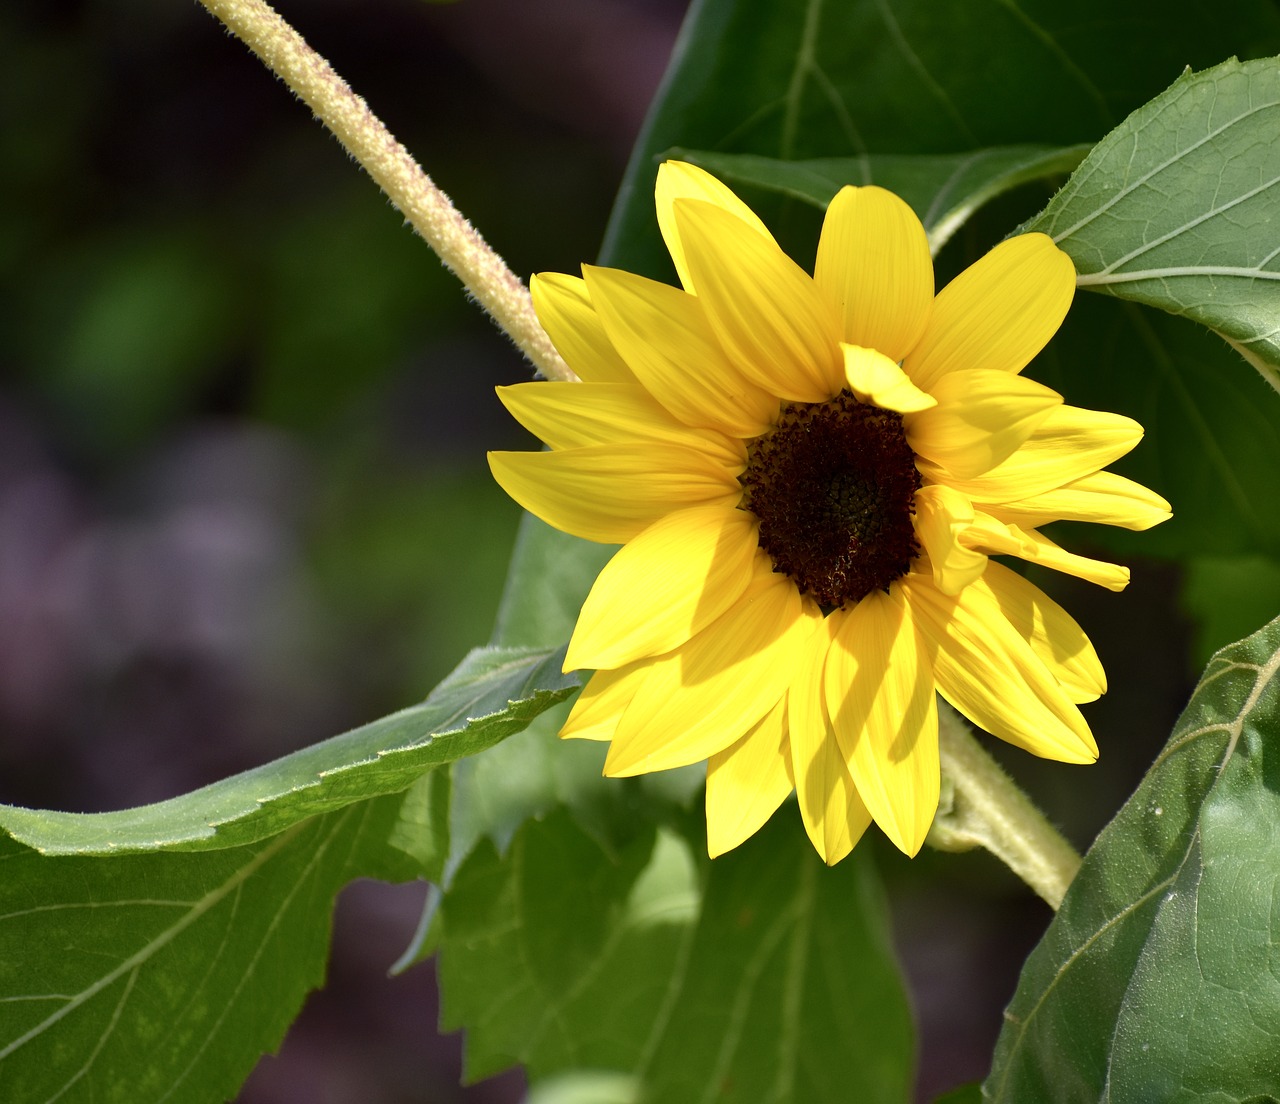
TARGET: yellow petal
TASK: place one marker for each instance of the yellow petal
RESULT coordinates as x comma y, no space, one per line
834,815
574,415
989,534
998,313
747,782
601,703
1052,633
981,419
670,582
880,698
1070,443
874,265
1044,552
564,308
680,180
984,667
992,536
704,696
1103,497
764,309
611,493
663,334
874,378
942,515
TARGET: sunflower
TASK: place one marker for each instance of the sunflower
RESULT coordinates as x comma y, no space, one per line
808,477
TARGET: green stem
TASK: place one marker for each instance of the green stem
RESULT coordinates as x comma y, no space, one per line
431,213
986,809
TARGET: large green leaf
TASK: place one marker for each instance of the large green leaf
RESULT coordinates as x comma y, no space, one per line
1179,207
761,975
191,930
798,79
491,694
163,977
1158,979
944,189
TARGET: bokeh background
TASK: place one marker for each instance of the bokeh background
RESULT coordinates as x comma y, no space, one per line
243,415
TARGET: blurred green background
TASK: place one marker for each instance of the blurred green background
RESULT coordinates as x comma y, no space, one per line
244,503
243,414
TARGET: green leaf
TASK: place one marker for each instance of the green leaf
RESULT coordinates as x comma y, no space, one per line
762,970
1157,979
1179,207
146,978
943,190
799,79
493,693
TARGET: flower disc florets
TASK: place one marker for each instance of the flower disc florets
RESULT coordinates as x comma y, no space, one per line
833,486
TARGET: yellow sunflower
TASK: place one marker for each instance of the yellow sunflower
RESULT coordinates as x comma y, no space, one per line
808,476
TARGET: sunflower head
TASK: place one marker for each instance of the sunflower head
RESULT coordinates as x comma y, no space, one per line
809,477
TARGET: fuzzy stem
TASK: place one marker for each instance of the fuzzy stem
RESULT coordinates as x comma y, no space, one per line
988,810
484,274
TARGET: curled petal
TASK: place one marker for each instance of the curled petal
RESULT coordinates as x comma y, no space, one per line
998,313
1047,554
873,263
942,516
874,378
991,535
690,566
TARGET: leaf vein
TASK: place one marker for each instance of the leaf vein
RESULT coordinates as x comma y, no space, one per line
1131,187
213,897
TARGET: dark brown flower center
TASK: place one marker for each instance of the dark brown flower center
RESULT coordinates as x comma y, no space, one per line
833,485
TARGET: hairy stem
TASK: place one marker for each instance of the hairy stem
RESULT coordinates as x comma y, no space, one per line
987,809
464,252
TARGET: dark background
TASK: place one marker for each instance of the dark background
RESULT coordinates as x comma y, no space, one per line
243,415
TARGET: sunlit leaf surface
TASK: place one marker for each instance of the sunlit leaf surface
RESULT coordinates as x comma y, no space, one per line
1179,207
763,975
164,977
